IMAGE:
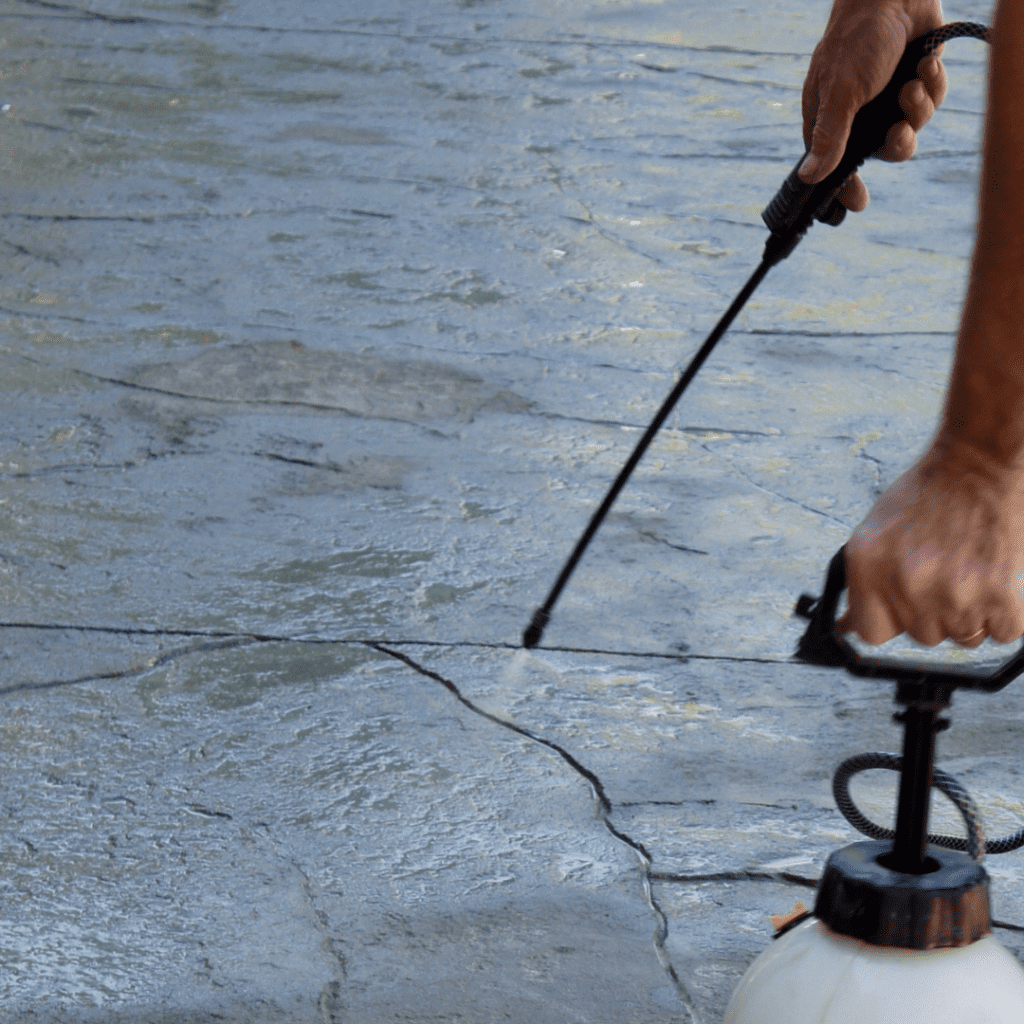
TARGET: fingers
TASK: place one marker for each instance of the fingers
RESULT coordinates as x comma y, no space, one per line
973,640
875,623
918,100
900,144
1005,629
930,70
967,620
920,96
830,129
871,620
854,194
868,613
827,122
917,104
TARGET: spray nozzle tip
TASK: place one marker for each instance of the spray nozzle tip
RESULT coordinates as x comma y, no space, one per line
535,630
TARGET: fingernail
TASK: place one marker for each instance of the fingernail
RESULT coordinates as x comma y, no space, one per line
808,167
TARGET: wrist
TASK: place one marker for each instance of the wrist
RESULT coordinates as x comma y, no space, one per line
968,448
984,407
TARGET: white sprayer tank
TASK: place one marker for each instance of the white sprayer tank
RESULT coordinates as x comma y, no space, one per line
810,975
886,947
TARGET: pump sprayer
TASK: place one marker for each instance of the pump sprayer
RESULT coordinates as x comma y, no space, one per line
901,931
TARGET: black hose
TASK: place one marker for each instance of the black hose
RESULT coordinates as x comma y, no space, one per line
975,843
533,632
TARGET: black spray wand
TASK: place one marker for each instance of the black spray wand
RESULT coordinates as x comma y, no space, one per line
788,216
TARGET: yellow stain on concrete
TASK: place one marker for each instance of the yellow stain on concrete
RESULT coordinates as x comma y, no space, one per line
742,377
674,441
860,312
858,446
694,711
720,112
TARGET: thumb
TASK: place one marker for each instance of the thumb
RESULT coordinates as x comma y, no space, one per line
828,140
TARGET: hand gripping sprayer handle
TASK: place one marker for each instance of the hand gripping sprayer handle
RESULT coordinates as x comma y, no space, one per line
796,203
824,644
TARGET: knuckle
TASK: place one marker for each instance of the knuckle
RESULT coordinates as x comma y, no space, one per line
962,597
900,143
1006,624
928,634
854,194
1003,634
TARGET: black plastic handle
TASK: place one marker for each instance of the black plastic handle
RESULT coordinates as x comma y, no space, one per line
823,644
796,204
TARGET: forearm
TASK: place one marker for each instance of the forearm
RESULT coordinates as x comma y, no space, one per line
985,402
941,554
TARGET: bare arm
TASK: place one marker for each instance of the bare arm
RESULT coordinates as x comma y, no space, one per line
985,405
942,552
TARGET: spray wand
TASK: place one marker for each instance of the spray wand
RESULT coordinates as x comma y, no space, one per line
795,207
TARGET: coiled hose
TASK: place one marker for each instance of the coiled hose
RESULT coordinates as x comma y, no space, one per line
974,844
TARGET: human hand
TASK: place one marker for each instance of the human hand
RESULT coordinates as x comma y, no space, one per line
857,55
941,554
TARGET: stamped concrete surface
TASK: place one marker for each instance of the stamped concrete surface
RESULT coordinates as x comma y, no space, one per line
324,328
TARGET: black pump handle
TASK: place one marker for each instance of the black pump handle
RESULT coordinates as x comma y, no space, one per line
824,644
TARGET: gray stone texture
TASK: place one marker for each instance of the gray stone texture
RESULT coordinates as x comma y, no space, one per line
323,328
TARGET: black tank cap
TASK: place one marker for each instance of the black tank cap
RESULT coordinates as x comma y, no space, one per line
944,908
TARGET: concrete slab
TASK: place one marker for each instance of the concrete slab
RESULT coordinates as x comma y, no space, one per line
322,331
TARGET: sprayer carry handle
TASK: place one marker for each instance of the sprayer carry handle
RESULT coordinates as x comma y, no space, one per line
824,644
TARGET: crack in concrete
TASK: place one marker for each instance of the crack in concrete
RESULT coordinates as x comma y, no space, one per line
130,673
605,808
785,333
330,1002
775,876
45,257
616,424
83,12
666,803
651,535
124,218
242,402
206,812
877,466
326,467
739,876
192,215
38,315
87,14
610,236
782,497
903,376
494,645
68,467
